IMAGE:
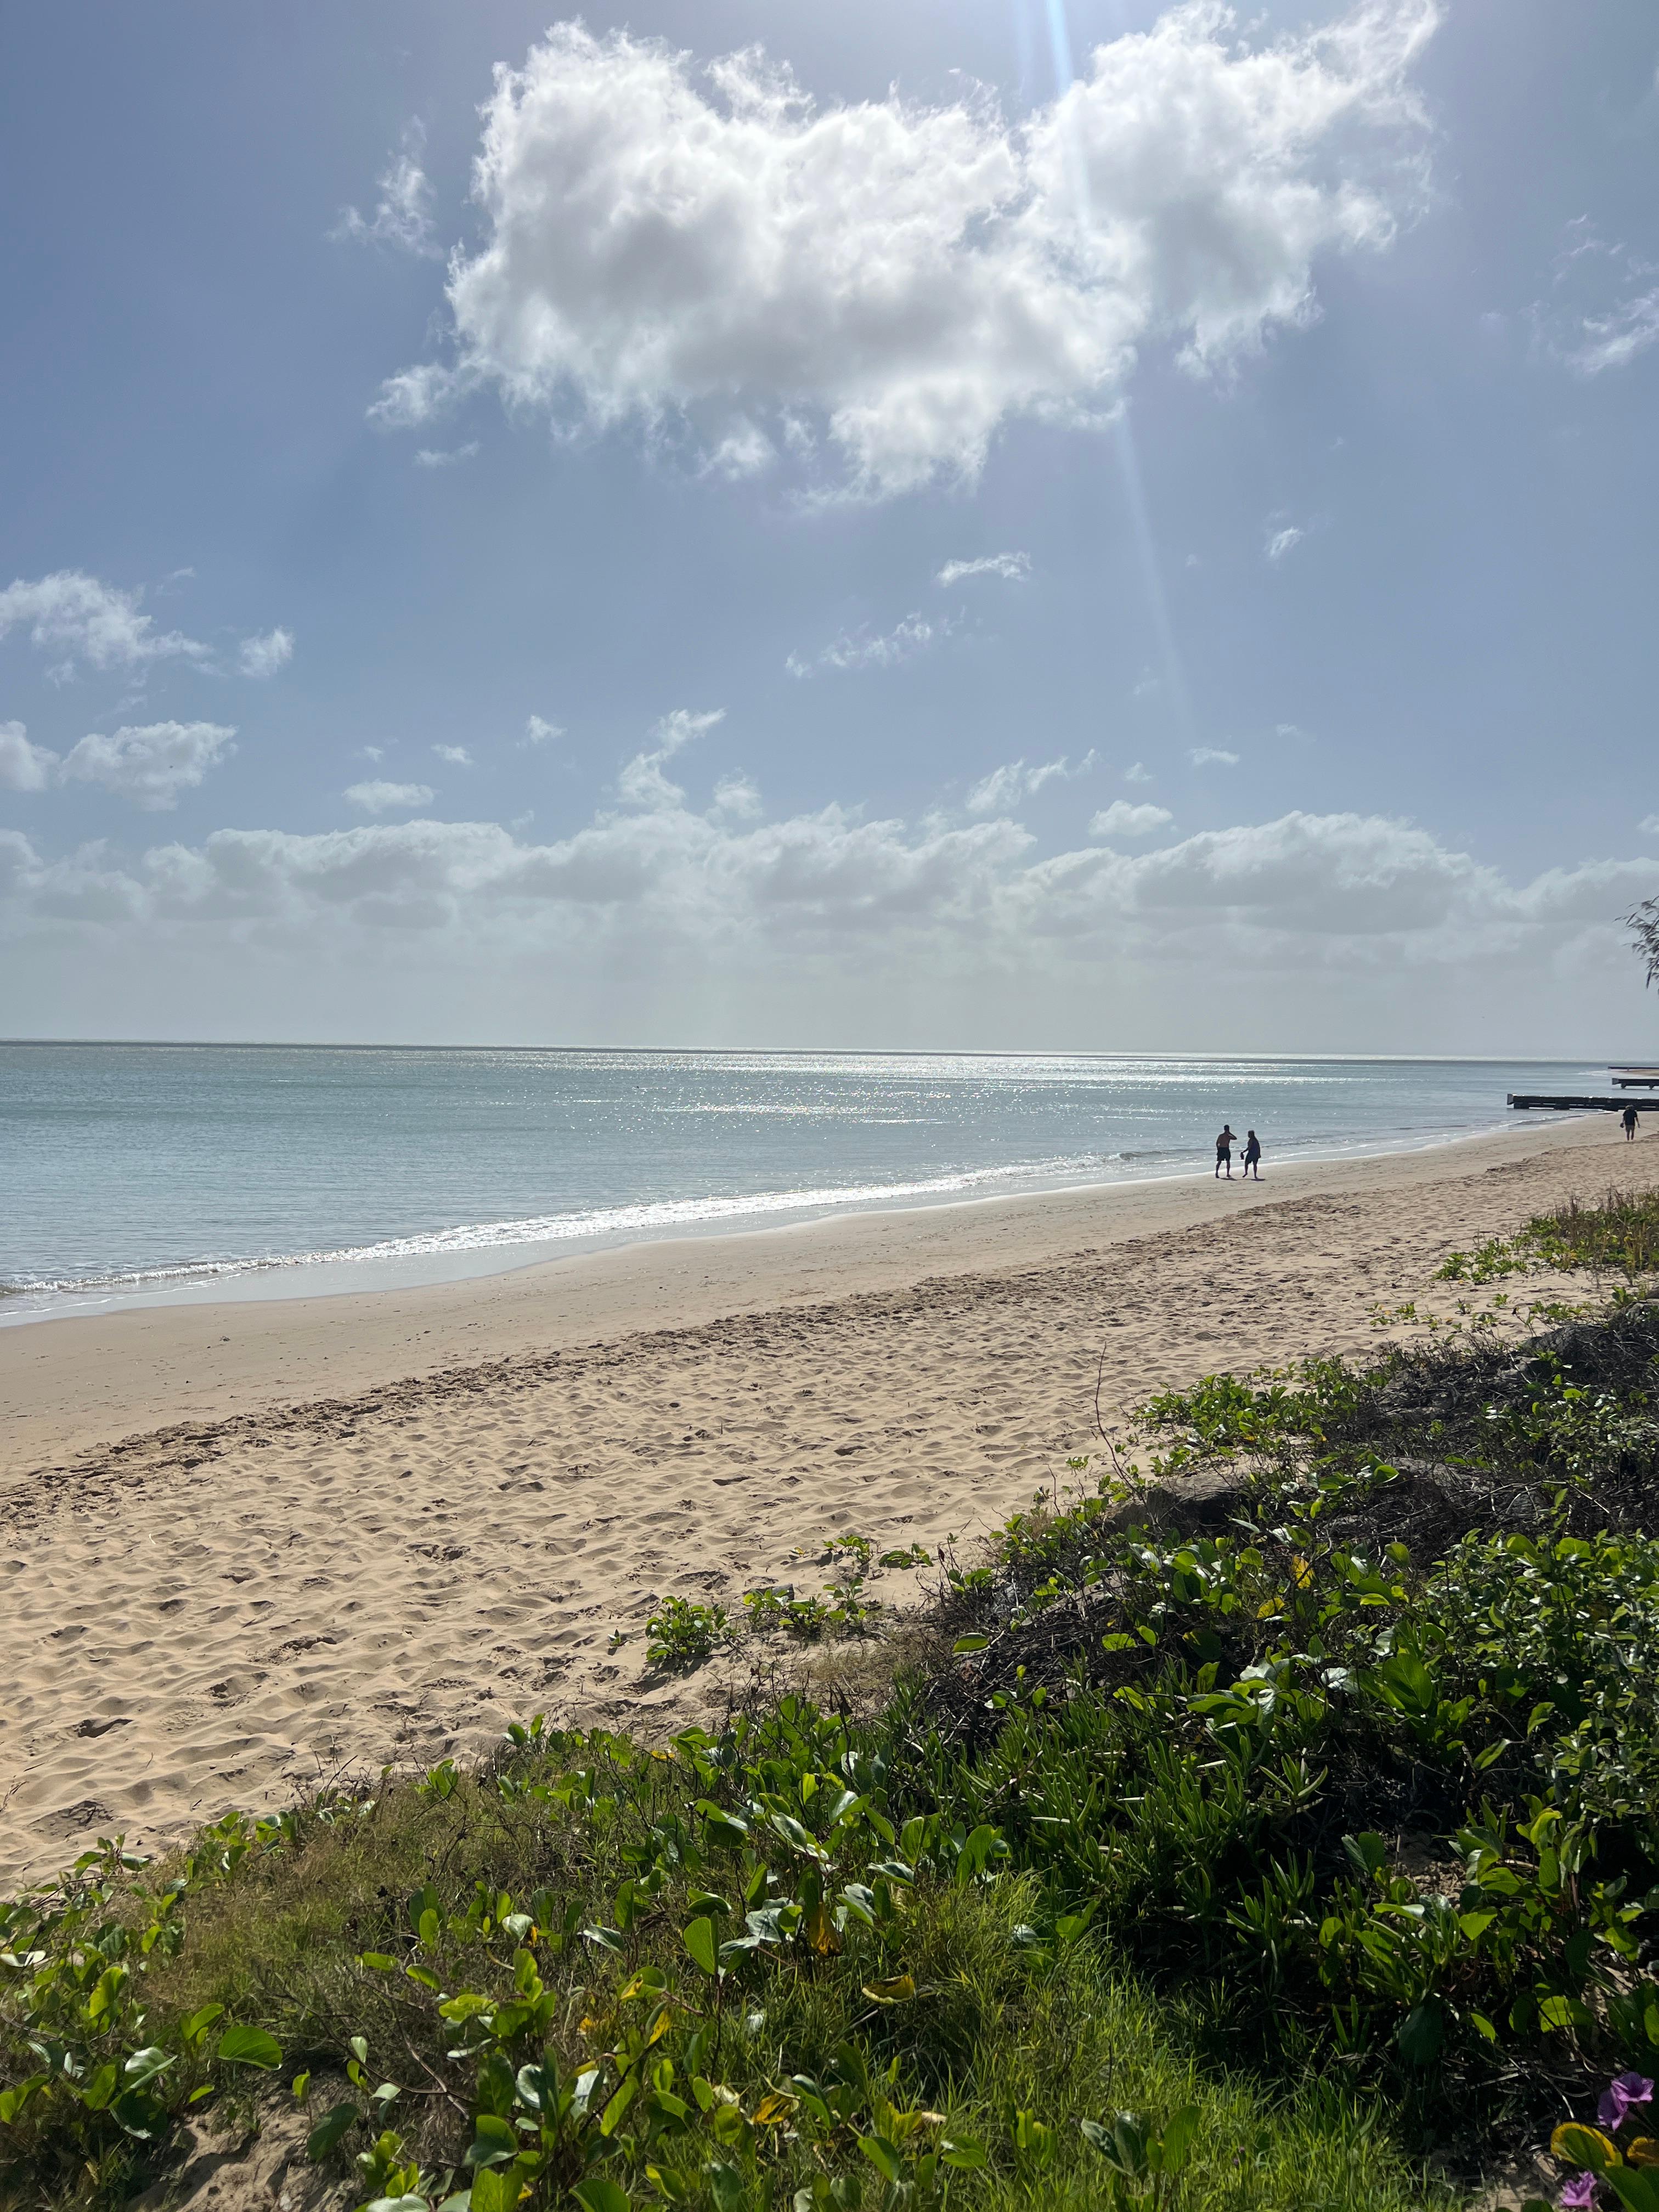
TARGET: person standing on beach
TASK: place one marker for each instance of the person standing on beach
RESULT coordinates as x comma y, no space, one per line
1223,1151
1630,1117
1252,1155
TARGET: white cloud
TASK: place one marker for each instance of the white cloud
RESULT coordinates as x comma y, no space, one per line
1212,757
812,912
371,752
378,797
1124,819
1002,788
1281,542
456,756
1353,874
539,733
911,636
151,764
1613,340
819,895
442,457
679,727
744,451
1061,768
641,782
263,656
1006,785
898,281
71,612
415,395
735,796
402,214
1012,567
1604,308
23,767
104,627
1649,827
1288,729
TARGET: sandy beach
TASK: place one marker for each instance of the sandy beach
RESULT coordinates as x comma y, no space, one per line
248,1546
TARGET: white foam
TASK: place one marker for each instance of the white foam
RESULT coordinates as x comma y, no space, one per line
644,1218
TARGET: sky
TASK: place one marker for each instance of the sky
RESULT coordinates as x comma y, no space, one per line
1006,524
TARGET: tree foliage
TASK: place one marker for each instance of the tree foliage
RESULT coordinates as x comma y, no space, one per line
1643,922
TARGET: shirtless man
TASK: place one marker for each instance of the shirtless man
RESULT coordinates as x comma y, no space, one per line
1223,1151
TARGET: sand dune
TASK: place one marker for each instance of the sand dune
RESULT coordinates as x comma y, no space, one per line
300,1580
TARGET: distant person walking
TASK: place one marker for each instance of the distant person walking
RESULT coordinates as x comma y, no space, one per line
1252,1155
1630,1118
1223,1151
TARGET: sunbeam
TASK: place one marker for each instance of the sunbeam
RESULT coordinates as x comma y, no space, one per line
1152,575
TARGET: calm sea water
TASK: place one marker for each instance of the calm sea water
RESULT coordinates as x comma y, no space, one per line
164,1172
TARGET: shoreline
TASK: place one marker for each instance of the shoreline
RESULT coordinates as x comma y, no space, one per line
248,1547
376,1268
68,1381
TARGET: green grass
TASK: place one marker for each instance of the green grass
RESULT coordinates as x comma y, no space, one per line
991,2032
1621,1236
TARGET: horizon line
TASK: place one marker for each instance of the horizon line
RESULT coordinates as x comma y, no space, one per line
837,1052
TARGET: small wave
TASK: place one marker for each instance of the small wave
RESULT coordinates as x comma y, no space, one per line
761,1110
626,1221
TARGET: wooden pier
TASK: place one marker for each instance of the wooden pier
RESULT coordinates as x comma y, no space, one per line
1579,1104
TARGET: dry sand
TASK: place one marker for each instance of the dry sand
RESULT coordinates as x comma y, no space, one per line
248,1546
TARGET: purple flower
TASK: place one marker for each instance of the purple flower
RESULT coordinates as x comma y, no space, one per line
1620,2098
1578,2193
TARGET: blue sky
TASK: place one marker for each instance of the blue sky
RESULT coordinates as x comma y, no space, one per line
1012,523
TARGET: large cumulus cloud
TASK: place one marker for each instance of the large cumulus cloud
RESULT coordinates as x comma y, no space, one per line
900,279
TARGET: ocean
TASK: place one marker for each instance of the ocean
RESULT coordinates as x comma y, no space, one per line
157,1173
